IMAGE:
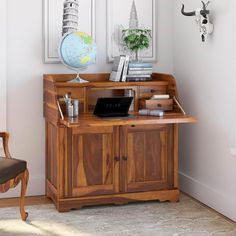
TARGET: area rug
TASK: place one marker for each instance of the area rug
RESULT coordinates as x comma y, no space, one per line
186,218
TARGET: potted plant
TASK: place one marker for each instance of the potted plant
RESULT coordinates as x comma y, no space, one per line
137,39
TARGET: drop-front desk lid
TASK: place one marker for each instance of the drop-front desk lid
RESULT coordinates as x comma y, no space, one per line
133,119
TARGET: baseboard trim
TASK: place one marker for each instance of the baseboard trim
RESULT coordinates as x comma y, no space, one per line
207,195
29,201
36,187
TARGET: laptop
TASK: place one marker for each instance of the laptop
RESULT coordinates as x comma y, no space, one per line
113,107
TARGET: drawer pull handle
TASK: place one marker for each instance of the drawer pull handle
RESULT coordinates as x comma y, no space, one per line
125,158
117,158
159,105
154,90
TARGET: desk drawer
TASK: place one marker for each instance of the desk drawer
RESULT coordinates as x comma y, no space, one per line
149,91
164,104
76,93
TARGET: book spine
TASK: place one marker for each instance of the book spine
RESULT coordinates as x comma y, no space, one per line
138,79
139,76
126,66
142,72
120,69
140,65
125,71
140,69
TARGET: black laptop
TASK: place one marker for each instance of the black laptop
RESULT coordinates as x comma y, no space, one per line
113,107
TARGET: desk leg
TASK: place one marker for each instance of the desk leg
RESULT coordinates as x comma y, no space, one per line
176,159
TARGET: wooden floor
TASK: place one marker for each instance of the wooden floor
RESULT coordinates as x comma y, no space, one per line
12,202
42,200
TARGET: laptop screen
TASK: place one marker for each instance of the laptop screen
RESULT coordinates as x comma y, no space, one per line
113,106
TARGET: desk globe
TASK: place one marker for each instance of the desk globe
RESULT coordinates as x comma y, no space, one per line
77,51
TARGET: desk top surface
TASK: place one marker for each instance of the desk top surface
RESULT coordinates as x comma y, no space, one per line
134,119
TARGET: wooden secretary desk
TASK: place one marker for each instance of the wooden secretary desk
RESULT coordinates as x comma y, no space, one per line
91,161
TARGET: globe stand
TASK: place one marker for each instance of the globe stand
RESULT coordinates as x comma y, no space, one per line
78,80
73,56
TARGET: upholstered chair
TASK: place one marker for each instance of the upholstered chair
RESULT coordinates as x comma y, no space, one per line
12,172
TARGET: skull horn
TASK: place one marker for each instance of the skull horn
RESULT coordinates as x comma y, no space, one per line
205,12
193,13
204,6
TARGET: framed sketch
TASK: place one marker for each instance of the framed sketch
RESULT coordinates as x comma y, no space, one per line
53,16
130,14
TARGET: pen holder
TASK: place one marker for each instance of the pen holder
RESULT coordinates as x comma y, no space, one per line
69,110
72,108
76,107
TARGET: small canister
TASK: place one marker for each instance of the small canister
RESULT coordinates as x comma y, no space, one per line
76,107
70,110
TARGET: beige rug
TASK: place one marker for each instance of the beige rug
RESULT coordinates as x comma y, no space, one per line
165,219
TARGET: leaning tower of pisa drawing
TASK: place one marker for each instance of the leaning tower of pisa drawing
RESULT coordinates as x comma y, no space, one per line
70,16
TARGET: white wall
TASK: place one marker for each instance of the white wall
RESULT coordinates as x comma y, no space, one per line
206,79
3,65
25,70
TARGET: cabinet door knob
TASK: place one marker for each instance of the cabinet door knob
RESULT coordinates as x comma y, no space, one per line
117,158
125,158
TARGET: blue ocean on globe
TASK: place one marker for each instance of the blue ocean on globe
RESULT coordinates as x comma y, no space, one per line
78,50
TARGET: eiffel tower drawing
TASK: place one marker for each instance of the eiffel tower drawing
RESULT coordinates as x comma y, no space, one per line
133,21
133,24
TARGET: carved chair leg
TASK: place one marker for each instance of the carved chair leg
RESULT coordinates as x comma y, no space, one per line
24,182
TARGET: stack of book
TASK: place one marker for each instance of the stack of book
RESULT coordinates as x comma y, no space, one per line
139,72
125,71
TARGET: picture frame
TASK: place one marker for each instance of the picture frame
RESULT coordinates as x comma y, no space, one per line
118,18
52,25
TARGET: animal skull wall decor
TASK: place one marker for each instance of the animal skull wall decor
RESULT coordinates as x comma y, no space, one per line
202,19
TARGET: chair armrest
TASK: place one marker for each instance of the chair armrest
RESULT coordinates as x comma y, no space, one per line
5,138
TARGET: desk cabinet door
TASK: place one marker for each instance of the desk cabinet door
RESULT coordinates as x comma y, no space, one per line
94,169
147,158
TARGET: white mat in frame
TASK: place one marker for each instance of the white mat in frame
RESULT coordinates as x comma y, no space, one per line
52,21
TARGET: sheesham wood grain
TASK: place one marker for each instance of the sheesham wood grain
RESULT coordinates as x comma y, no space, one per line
89,120
114,160
176,153
155,145
65,205
92,162
170,156
148,158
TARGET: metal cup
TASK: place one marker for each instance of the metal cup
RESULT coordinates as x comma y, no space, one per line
76,107
70,110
